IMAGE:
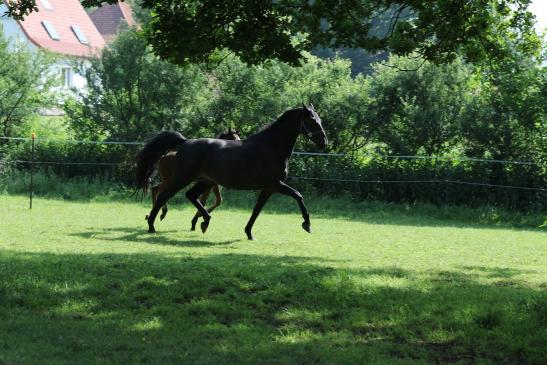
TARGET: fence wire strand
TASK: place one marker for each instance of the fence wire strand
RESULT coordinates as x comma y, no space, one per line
68,163
297,153
418,181
73,141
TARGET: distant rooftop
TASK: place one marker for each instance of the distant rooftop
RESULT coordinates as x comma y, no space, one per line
62,26
108,19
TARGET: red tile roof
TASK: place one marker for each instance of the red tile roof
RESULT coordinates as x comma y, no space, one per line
108,18
64,14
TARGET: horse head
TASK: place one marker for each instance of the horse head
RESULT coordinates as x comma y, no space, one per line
311,126
230,134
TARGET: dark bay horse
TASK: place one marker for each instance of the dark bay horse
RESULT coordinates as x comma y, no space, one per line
259,162
166,167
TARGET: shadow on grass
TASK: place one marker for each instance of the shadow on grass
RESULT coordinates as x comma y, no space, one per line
374,212
247,309
498,272
423,215
132,234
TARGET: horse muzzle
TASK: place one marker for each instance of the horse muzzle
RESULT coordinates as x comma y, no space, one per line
321,141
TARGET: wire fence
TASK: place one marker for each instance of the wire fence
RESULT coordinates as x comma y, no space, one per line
302,177
297,153
435,181
31,163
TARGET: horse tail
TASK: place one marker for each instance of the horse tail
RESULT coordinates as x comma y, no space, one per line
148,157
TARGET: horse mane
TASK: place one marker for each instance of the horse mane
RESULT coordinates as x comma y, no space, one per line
276,123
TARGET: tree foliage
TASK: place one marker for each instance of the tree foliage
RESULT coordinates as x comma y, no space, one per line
184,31
507,115
26,80
132,94
455,110
485,112
416,112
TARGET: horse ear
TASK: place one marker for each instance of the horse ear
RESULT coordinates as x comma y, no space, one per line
304,106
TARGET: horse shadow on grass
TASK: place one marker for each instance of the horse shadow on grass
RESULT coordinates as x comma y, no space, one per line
132,235
248,309
397,214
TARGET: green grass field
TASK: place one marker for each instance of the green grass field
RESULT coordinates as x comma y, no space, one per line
82,282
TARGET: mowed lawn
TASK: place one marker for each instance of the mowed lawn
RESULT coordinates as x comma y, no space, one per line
85,283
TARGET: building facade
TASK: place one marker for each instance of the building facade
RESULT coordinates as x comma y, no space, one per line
59,26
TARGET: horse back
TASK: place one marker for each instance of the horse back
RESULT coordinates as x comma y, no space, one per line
234,164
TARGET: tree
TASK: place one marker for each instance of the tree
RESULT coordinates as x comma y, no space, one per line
26,79
183,31
245,97
248,97
361,61
132,94
417,112
505,118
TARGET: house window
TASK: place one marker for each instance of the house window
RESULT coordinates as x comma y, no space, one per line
51,30
68,77
79,34
46,4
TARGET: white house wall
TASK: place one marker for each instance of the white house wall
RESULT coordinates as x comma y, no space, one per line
78,80
16,37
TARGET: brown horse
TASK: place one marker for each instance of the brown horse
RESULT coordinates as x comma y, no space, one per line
166,167
259,162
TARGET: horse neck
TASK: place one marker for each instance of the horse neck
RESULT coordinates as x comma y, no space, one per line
282,134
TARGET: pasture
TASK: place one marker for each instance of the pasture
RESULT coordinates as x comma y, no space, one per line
84,282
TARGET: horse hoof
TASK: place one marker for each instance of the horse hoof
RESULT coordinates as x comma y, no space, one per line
146,217
306,226
151,230
204,226
250,238
162,216
193,228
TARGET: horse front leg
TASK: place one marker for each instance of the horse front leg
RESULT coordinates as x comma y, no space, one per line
262,199
285,189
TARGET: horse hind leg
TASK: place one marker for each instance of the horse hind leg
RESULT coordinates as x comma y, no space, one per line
164,210
192,194
155,190
218,198
262,199
194,221
167,193
203,200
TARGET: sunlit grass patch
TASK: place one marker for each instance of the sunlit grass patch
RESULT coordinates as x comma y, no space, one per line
84,280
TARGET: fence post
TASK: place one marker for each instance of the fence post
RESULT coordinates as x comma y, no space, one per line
32,169
447,178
